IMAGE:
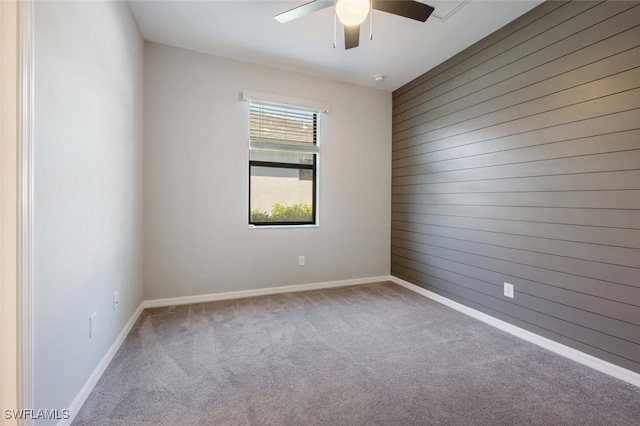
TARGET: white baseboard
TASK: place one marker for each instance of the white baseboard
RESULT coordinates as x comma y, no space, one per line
186,300
560,349
84,393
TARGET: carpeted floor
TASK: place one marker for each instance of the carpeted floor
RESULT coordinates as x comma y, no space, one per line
373,354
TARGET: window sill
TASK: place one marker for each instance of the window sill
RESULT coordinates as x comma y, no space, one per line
283,226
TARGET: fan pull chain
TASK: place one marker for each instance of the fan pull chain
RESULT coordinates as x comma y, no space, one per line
335,26
371,20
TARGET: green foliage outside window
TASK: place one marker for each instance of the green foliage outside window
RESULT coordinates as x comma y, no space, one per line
279,213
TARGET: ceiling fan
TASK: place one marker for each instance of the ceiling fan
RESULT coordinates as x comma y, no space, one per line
352,13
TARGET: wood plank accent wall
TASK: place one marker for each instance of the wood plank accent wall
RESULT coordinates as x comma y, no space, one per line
518,160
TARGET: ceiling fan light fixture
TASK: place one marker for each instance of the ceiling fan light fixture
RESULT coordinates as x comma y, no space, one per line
352,12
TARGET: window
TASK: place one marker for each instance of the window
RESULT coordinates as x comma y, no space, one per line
283,165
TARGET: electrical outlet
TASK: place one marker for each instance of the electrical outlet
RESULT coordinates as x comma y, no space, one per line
93,324
116,300
301,260
508,290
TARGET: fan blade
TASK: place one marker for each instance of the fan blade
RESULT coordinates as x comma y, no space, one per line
304,10
351,36
408,9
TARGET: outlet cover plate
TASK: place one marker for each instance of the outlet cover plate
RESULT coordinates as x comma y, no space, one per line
508,290
93,324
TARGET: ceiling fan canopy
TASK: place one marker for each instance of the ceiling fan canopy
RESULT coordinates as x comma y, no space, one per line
352,13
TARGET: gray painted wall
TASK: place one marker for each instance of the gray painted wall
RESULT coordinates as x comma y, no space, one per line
518,160
87,190
196,168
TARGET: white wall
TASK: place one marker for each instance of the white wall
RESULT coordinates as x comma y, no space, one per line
197,240
8,206
88,188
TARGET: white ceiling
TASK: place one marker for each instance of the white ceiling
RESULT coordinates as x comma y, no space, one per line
401,50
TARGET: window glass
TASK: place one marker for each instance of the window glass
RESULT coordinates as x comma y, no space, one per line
281,195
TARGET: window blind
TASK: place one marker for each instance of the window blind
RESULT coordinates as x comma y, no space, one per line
281,128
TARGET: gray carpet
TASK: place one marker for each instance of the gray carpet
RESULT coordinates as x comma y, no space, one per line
365,355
